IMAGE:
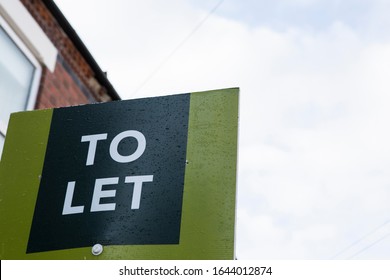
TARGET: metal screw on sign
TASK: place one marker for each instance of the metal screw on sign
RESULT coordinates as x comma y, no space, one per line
97,249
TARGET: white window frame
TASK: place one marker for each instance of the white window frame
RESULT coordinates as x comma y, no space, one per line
34,86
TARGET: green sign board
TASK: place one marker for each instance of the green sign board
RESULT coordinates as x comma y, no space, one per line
151,178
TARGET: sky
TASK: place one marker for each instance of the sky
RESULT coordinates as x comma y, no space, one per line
314,156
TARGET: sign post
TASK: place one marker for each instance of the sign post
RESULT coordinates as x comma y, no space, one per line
151,178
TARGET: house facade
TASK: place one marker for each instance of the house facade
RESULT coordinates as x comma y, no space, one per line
43,62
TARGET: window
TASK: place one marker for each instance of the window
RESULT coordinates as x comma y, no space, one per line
19,77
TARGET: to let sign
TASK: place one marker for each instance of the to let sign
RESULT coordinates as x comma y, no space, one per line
150,178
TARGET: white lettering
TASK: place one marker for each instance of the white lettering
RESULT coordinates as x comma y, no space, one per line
68,208
138,152
92,139
137,180
98,193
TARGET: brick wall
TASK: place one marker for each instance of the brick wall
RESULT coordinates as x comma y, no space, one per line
62,88
73,81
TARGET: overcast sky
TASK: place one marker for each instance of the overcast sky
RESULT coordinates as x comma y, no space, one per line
314,152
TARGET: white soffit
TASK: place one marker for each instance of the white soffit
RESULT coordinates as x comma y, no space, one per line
23,24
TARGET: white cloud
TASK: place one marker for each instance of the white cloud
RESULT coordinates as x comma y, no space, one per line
314,139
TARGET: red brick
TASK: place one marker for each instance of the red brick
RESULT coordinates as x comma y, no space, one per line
63,87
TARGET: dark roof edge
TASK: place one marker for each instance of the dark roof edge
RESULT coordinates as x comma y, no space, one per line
68,29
